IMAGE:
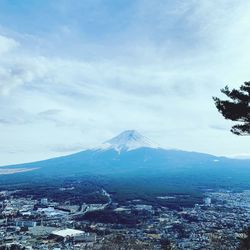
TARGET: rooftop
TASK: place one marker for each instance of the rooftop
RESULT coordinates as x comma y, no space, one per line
68,232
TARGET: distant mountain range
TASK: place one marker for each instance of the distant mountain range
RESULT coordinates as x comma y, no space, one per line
131,157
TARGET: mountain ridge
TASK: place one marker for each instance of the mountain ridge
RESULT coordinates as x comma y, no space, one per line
142,162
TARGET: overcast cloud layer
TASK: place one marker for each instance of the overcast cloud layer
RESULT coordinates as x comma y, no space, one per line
75,73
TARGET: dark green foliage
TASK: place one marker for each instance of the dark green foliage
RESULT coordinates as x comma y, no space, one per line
166,244
120,242
245,243
236,108
180,230
109,216
12,247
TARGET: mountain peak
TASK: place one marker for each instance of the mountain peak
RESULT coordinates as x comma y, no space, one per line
128,140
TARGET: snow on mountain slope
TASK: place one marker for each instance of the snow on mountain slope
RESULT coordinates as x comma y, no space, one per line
128,140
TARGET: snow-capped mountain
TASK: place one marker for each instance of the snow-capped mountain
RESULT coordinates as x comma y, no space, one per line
128,140
132,156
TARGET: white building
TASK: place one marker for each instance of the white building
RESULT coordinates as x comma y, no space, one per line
44,201
76,235
207,201
68,233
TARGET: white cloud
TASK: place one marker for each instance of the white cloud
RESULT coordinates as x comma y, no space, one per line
7,44
158,79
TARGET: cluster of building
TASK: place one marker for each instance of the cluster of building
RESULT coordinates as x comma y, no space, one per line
28,223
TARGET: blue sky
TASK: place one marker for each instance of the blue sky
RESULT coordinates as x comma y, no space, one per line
75,73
